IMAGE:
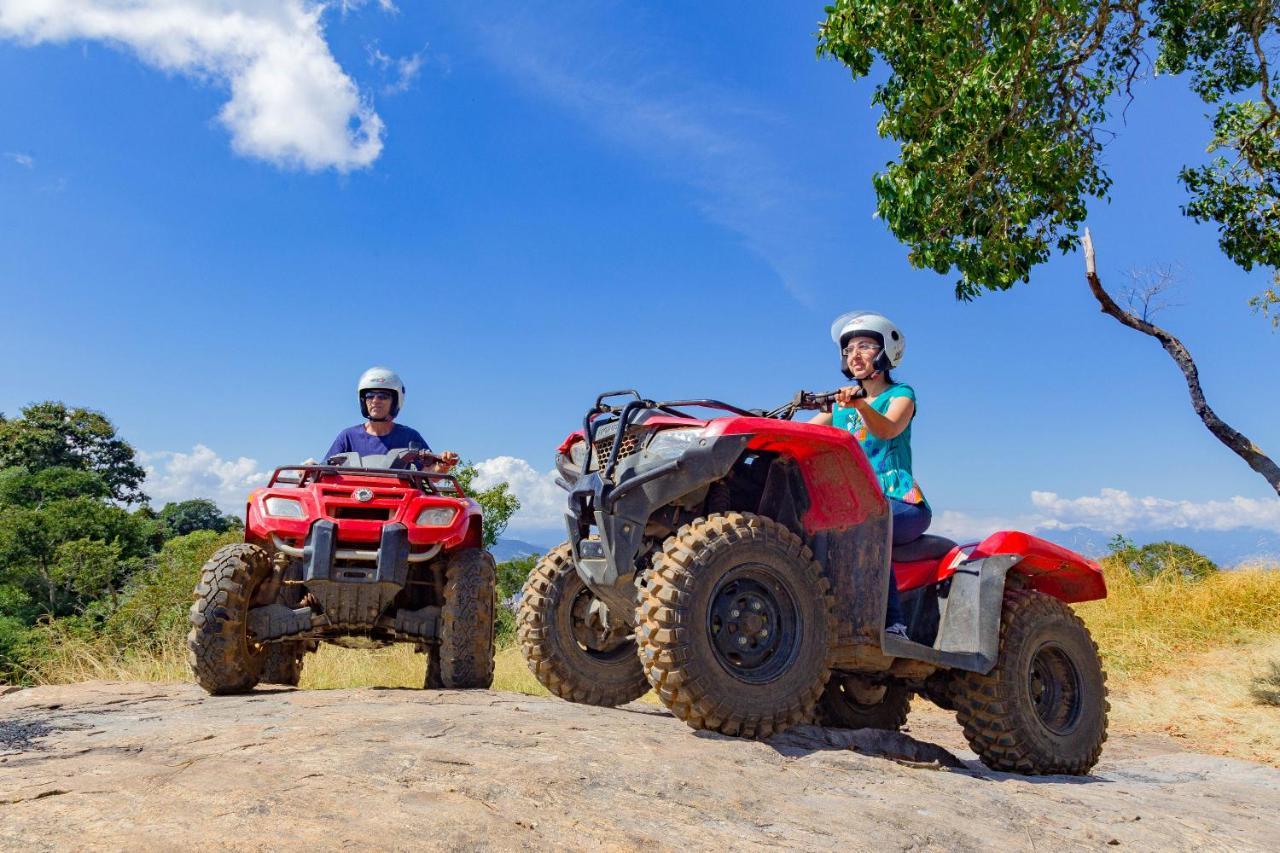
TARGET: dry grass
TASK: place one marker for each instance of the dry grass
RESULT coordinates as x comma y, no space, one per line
399,666
1207,704
1149,629
72,659
330,667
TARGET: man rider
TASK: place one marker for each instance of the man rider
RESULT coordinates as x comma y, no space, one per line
381,393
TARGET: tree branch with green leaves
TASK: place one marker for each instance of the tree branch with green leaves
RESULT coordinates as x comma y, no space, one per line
1000,107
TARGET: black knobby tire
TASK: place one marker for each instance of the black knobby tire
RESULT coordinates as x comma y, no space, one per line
222,656
1043,708
714,672
561,652
465,649
850,703
283,664
939,689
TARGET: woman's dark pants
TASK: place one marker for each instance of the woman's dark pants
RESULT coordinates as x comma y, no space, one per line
910,521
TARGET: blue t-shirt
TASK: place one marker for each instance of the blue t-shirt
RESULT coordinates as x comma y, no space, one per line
890,459
355,439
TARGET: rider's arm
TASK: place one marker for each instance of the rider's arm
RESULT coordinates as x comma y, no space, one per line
892,422
823,418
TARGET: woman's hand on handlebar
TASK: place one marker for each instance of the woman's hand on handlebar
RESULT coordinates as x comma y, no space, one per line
846,395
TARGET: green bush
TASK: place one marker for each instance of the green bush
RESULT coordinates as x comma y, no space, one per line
153,604
15,644
1161,558
511,577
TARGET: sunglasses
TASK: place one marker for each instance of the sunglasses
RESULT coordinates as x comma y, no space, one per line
376,395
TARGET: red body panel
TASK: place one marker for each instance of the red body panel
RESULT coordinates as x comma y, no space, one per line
843,490
329,497
1047,567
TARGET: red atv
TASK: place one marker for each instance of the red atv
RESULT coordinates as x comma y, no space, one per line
739,566
364,551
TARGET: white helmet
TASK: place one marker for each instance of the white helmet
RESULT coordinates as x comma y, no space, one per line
380,379
893,344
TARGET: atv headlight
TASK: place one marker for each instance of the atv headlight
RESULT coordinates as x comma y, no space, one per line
578,453
436,516
672,443
284,508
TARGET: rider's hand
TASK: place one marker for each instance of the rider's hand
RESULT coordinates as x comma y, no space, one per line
448,459
310,461
846,395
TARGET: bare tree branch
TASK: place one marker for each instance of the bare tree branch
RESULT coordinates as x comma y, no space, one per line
1144,297
1236,442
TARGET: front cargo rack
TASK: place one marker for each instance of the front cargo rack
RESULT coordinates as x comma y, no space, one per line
431,482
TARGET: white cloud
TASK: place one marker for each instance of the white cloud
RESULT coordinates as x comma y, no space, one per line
405,68
291,104
201,473
542,502
1116,509
26,161
348,6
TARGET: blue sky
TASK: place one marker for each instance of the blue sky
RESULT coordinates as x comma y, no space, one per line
211,224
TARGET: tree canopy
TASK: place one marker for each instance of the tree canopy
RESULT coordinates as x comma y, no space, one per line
53,435
999,109
497,503
183,517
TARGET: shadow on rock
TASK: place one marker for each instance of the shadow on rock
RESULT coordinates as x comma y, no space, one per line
803,740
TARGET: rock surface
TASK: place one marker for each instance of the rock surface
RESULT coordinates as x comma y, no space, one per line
146,766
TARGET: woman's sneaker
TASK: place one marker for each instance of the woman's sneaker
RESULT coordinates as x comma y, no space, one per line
897,629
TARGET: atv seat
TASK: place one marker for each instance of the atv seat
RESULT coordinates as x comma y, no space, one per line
925,548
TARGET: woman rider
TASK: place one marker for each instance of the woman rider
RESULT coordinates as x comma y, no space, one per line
878,411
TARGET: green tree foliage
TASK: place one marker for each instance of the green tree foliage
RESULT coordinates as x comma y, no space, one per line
999,108
154,602
497,502
511,577
51,435
179,519
1161,558
67,551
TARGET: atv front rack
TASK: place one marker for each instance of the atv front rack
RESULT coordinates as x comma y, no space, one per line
602,414
428,481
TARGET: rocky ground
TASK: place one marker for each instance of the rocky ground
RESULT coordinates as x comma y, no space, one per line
145,766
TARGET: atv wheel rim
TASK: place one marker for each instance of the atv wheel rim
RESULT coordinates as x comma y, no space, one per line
1055,689
593,639
752,624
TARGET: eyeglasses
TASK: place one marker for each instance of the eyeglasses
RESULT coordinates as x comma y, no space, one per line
376,395
863,348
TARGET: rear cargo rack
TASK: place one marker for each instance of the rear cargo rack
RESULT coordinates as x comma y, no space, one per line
432,482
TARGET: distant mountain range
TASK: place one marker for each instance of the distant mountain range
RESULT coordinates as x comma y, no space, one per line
514,549
1225,547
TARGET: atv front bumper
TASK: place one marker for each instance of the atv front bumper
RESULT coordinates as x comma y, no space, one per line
352,592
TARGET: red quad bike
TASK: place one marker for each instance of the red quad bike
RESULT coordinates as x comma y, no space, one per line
364,552
739,566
